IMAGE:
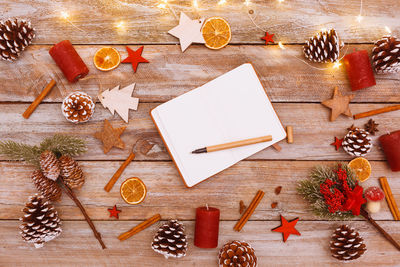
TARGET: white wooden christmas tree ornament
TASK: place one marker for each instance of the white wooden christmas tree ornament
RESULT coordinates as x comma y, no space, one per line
120,101
188,31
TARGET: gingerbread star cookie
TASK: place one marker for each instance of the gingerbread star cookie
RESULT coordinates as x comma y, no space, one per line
339,104
110,136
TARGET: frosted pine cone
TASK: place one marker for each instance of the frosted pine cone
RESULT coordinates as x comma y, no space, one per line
78,107
71,172
47,188
237,254
357,142
386,55
40,222
347,244
50,165
323,47
170,240
15,36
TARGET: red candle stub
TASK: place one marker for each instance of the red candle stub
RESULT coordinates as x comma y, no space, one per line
69,61
391,147
359,70
207,227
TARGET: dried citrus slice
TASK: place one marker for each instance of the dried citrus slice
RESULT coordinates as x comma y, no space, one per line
133,190
216,32
106,58
362,167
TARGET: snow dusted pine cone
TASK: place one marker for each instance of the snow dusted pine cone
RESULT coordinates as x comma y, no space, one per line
237,254
170,240
347,244
50,165
357,142
71,172
78,107
386,55
323,47
15,36
40,222
47,188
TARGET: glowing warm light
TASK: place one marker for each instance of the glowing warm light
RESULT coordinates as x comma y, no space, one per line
281,46
388,29
336,64
280,1
195,4
359,18
162,5
247,2
120,25
64,15
221,2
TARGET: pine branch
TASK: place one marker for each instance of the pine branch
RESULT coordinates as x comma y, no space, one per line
64,145
19,151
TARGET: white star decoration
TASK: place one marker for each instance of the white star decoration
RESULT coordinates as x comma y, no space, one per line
188,31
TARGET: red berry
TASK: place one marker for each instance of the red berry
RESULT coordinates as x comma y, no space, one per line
374,193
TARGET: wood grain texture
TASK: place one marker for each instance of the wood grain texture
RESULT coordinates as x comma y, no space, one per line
292,21
171,73
168,196
309,249
313,131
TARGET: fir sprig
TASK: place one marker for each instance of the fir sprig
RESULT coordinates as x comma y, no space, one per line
58,144
310,190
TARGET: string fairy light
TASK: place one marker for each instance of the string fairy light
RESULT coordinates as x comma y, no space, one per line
221,2
281,46
359,18
388,29
65,15
246,2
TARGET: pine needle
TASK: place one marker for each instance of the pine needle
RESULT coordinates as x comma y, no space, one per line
19,151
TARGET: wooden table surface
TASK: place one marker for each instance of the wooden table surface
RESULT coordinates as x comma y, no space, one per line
295,88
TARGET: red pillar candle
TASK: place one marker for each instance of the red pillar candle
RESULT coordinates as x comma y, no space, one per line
207,227
391,146
68,60
359,70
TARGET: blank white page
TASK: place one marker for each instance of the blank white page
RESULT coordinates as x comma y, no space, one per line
229,108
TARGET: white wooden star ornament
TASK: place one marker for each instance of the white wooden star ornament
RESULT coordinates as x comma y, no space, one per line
119,100
188,31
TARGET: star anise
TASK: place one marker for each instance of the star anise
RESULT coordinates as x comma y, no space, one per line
371,126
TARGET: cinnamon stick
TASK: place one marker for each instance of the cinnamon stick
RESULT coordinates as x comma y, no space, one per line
277,147
72,195
376,111
249,211
366,215
38,99
140,227
289,132
118,173
389,198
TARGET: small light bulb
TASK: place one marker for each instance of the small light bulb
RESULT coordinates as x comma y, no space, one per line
221,2
247,2
280,1
162,6
359,18
120,25
281,46
336,64
64,15
388,29
195,4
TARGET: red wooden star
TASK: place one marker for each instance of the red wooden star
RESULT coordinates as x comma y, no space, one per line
354,200
337,143
135,57
268,38
287,228
114,212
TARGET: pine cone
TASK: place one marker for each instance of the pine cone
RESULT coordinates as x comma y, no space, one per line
40,222
170,240
237,254
15,36
347,244
357,142
386,55
50,165
78,107
323,47
71,172
47,188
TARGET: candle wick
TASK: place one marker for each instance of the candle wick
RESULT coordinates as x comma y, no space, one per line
207,206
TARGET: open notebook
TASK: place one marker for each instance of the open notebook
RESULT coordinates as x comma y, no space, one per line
229,108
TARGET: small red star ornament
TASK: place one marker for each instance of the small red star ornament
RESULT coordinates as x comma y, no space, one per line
268,38
354,200
135,57
114,212
287,228
337,144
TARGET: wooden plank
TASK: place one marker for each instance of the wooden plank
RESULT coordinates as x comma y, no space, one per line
95,22
168,196
76,246
171,73
313,131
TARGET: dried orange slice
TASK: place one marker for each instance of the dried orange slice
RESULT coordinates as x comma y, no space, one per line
107,58
133,190
216,32
362,167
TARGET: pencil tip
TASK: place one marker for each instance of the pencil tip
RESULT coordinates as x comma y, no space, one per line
200,150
